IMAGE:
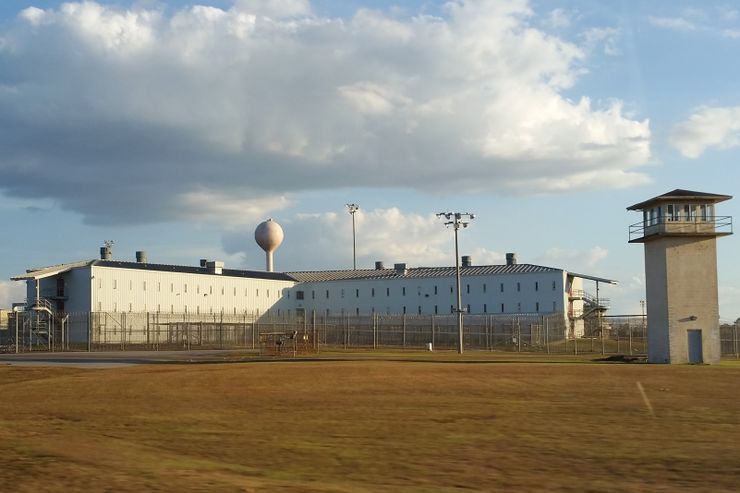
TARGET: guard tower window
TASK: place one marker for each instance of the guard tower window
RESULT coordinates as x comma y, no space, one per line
536,286
372,292
537,306
299,295
357,293
387,291
313,295
419,310
518,286
501,287
435,289
327,294
403,291
435,309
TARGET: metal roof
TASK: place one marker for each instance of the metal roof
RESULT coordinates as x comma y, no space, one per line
417,272
681,194
53,270
308,276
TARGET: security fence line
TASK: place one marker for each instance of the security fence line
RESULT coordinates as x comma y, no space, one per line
101,331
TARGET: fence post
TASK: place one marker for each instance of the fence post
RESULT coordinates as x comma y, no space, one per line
313,330
547,335
403,328
575,343
434,343
734,338
518,335
221,330
629,325
375,333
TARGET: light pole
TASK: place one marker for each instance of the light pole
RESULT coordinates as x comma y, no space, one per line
456,220
352,209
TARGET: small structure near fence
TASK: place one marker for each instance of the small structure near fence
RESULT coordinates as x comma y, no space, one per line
286,343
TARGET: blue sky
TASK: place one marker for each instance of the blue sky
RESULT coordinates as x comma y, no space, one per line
176,127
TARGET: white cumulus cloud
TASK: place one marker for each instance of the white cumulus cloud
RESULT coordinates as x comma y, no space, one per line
708,127
121,114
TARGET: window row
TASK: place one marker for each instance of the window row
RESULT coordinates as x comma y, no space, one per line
300,295
205,292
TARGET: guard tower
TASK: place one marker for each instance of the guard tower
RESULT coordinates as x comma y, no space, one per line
679,230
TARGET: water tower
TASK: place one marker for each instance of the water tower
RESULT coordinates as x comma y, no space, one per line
269,235
679,230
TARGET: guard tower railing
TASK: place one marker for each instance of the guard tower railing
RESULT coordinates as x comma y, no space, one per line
709,226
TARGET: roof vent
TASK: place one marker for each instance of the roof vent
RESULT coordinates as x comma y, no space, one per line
400,269
141,257
467,261
215,266
379,265
511,259
106,251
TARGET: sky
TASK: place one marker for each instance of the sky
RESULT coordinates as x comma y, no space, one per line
176,127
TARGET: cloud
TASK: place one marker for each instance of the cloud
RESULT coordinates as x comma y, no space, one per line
558,19
324,241
731,33
12,292
675,23
708,127
135,115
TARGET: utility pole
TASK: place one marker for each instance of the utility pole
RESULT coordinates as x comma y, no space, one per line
457,220
352,209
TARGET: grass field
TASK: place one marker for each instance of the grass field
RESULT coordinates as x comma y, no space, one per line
372,424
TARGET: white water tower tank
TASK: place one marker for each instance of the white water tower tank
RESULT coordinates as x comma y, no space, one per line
269,235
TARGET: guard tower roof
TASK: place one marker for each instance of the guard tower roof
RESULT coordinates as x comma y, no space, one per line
682,195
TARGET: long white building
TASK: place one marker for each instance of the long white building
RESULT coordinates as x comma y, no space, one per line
109,286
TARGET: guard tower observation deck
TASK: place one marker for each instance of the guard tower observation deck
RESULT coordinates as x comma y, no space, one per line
680,213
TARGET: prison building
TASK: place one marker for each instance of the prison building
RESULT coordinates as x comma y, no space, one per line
110,286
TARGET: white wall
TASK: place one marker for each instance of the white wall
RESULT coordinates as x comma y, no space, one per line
141,290
530,292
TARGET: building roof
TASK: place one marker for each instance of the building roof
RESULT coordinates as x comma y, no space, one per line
306,276
53,270
681,194
417,272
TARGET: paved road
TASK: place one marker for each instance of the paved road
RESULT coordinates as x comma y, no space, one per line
113,359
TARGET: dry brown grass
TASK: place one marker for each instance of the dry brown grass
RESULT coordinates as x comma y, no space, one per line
370,426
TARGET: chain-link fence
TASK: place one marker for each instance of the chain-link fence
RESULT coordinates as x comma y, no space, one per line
101,331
